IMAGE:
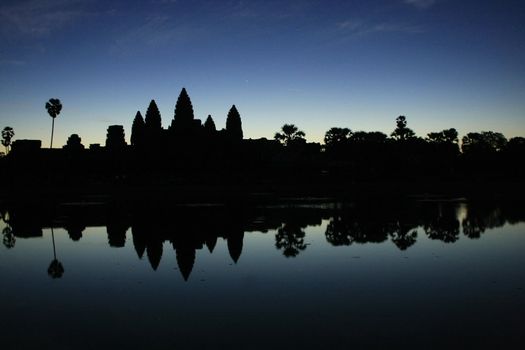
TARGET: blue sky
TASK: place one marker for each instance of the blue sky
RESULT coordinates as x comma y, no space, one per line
314,63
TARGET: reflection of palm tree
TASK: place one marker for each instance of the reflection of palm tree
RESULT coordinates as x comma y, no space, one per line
53,106
290,238
55,269
9,238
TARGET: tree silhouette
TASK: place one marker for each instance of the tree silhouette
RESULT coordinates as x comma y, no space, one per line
402,235
402,132
337,143
337,136
445,136
209,125
7,135
516,145
53,106
442,150
290,238
290,133
137,131
372,137
514,151
338,232
443,229
486,141
233,124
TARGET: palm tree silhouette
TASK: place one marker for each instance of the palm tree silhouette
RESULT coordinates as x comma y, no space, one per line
7,135
53,106
290,133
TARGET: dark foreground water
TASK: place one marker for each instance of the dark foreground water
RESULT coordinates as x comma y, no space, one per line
362,275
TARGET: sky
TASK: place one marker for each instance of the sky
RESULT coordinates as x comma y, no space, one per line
313,63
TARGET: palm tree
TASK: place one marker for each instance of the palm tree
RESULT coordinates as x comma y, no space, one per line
402,132
7,135
290,133
53,106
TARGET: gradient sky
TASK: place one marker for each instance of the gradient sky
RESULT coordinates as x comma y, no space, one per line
314,63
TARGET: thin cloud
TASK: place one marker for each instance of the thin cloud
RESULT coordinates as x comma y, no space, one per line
156,31
39,17
420,4
361,27
6,62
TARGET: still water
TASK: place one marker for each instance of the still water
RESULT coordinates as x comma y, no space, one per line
323,275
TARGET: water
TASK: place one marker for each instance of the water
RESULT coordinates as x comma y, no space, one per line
360,275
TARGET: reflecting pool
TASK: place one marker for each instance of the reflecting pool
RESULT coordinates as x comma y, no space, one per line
412,274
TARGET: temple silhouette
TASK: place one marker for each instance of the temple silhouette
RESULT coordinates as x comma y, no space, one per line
195,158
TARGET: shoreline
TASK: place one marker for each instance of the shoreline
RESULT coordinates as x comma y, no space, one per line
261,193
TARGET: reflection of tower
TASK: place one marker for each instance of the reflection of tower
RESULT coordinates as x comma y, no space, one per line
139,239
154,251
74,229
235,241
117,225
26,221
116,230
211,242
185,260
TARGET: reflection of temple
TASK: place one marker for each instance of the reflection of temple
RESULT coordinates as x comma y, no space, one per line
188,230
191,228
